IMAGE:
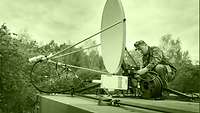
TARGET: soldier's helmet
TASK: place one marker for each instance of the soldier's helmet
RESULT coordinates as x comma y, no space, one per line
138,43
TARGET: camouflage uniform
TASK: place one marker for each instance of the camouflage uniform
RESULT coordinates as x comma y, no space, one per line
155,60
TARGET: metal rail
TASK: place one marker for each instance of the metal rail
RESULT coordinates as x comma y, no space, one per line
68,65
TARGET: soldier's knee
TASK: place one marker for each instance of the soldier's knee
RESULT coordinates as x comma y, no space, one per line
159,67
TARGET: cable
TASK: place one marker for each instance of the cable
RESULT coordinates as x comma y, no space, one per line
62,91
154,85
37,88
64,65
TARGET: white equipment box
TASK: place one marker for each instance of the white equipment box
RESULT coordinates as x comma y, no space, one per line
112,82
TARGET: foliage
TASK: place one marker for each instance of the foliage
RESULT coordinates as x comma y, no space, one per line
16,93
188,75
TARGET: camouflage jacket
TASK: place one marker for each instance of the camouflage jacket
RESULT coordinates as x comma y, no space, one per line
154,57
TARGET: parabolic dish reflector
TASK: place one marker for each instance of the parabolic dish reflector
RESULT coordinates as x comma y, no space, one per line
113,39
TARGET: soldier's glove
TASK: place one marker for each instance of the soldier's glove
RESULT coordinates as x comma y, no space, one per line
137,76
142,71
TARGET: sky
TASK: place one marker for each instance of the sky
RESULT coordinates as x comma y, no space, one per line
73,20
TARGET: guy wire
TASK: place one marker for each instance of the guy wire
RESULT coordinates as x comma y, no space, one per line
68,65
130,56
88,38
75,51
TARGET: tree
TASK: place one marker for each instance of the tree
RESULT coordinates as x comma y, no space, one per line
16,92
187,73
13,77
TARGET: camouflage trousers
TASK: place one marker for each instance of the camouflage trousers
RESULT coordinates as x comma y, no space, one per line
165,73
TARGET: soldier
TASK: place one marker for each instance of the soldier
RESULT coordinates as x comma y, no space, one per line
154,60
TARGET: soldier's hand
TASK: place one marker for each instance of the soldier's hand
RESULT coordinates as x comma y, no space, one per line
137,76
142,71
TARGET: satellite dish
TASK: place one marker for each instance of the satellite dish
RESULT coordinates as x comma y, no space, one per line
113,40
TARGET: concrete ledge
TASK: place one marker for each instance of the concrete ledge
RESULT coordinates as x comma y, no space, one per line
48,105
77,104
67,104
